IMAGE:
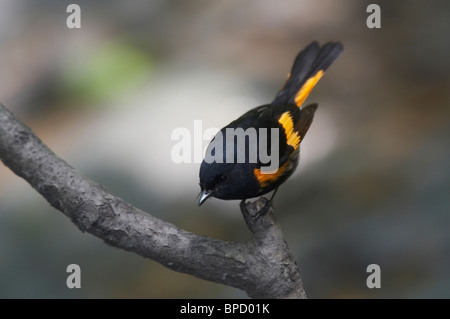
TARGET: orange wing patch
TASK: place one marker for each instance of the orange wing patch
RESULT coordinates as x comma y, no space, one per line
292,137
306,88
266,178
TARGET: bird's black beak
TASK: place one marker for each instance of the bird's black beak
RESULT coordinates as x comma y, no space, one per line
204,195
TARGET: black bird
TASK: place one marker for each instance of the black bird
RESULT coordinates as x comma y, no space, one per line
228,173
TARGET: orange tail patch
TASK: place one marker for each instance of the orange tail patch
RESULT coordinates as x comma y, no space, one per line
306,88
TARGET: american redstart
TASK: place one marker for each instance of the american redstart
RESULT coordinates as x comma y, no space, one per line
236,163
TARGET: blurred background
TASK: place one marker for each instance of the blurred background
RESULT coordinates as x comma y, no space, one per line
373,182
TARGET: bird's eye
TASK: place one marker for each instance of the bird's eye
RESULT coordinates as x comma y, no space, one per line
222,179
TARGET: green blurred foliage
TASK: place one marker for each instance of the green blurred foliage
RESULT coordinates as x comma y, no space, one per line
112,70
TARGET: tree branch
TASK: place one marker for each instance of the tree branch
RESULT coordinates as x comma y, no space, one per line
263,266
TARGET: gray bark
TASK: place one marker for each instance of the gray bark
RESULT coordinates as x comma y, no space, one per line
263,267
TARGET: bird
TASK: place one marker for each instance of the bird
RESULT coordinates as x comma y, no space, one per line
230,171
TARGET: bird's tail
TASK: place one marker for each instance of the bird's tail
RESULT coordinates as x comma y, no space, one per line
309,66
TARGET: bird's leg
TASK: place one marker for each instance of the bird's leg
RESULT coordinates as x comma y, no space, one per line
258,214
267,205
253,216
